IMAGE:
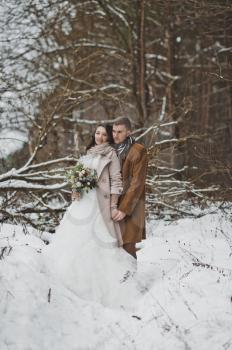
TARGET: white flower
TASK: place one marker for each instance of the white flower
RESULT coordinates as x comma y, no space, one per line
78,184
83,172
88,183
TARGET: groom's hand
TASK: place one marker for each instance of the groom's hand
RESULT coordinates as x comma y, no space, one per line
118,215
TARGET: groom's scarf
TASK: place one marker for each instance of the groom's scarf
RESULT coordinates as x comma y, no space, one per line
123,148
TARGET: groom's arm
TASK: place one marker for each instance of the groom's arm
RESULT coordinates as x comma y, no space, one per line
136,187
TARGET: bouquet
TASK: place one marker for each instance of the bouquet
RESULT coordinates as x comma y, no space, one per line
81,178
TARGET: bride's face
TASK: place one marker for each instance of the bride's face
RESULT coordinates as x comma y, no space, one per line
100,135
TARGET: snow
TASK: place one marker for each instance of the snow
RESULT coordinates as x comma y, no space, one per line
187,304
11,141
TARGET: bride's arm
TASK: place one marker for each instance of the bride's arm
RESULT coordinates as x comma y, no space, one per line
114,201
115,184
115,175
114,205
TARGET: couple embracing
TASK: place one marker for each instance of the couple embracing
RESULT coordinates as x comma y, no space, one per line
91,245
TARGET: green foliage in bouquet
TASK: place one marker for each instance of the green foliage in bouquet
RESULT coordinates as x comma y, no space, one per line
81,179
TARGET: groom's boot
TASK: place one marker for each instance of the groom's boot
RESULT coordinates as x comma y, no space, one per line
130,248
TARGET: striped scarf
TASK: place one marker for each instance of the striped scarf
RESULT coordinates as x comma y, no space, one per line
123,148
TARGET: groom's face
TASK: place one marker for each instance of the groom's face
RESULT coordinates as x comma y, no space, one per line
120,133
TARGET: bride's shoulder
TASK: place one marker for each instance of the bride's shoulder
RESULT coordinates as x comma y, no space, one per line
111,151
112,148
113,155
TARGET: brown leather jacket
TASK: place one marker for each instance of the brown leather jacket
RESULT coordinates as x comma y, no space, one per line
132,201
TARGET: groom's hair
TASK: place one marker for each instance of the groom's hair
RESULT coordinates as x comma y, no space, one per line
123,121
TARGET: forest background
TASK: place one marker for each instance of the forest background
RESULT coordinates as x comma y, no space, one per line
68,65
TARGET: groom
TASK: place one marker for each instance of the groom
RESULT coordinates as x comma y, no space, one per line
131,209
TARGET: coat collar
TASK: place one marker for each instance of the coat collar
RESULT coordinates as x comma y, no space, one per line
103,162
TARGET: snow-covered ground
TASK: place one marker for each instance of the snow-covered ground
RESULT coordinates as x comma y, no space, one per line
188,302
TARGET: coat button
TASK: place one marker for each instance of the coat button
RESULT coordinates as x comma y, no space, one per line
106,196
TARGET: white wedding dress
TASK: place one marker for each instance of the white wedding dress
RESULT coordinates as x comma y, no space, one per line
87,259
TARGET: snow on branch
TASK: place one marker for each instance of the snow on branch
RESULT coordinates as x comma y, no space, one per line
12,185
155,127
87,44
104,88
35,189
118,13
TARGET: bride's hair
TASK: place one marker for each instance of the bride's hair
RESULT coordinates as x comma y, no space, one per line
109,131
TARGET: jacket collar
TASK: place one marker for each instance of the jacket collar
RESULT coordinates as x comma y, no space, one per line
103,162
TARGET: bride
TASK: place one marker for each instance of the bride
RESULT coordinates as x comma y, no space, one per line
86,251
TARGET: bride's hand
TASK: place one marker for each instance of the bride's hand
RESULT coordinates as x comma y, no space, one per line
76,196
118,215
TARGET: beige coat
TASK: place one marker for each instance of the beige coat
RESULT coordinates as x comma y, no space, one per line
109,182
132,201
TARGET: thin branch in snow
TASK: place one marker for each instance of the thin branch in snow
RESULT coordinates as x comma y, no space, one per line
49,295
